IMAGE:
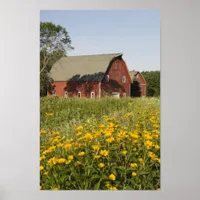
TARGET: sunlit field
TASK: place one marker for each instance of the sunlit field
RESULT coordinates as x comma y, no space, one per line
102,144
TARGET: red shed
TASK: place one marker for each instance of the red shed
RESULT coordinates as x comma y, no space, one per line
139,78
91,76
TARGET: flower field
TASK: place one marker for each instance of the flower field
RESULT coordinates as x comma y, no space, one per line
105,144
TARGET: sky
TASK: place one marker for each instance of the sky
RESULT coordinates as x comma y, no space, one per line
135,33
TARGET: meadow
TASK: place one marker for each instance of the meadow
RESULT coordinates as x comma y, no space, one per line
99,144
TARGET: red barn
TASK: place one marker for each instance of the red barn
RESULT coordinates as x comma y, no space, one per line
137,77
91,76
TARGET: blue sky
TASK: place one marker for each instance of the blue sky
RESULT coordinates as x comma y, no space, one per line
136,34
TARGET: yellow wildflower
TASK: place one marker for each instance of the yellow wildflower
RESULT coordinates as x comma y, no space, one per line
59,145
49,114
124,152
110,140
148,144
55,188
88,136
108,184
70,157
133,165
112,177
100,165
61,160
42,157
56,133
97,157
141,160
52,161
134,174
68,162
104,153
81,153
77,163
79,133
42,131
68,146
41,168
112,188
79,128
46,173
157,146
96,147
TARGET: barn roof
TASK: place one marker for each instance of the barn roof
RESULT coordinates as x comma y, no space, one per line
84,67
133,74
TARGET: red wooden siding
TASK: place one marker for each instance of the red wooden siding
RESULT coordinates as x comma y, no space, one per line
116,71
142,83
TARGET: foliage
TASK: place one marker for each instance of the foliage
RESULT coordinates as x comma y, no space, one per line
85,147
54,43
153,82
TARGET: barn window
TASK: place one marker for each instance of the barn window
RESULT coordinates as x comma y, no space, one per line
123,79
65,93
107,78
54,93
124,94
79,94
92,95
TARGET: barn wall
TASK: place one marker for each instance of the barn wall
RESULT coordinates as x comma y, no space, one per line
142,83
74,87
115,84
84,87
59,87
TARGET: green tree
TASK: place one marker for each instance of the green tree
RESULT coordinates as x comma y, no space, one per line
153,82
55,42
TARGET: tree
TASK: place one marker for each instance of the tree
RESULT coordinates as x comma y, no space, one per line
54,44
153,82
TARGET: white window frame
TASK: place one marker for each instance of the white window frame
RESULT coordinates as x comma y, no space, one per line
80,94
92,93
123,79
107,78
54,93
124,94
65,94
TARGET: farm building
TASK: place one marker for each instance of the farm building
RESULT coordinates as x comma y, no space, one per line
138,86
91,76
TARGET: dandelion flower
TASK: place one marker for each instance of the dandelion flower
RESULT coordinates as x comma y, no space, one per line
70,157
100,165
112,177
141,160
68,162
81,153
134,174
124,152
42,131
61,160
97,157
96,147
112,188
133,165
110,140
41,168
68,146
104,153
49,114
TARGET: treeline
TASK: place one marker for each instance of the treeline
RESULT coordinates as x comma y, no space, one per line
153,82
